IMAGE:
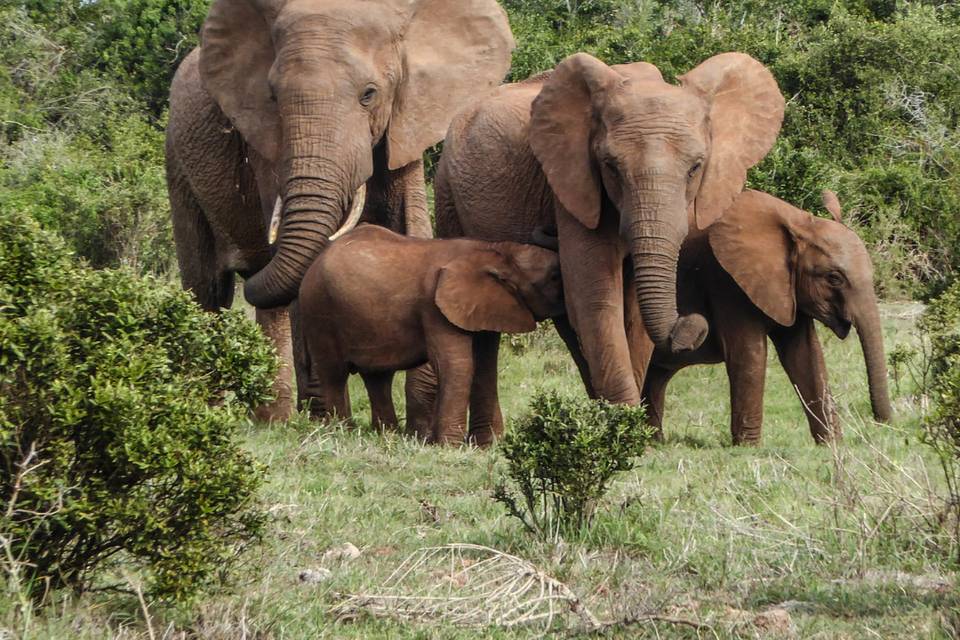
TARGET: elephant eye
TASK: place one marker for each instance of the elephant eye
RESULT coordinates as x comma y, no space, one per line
368,95
693,170
835,279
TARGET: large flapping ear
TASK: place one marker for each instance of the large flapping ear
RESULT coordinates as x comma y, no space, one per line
454,52
753,242
562,117
832,204
475,294
235,58
746,111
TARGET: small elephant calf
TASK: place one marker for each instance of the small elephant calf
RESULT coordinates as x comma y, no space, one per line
768,270
375,302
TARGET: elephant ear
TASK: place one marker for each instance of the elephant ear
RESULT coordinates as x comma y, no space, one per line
478,294
235,57
746,111
639,72
832,204
754,244
454,52
561,120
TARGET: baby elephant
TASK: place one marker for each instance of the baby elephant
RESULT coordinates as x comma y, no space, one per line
375,302
768,270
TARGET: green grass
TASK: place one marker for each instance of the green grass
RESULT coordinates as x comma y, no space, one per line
699,530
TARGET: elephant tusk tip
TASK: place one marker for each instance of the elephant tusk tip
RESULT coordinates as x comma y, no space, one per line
356,210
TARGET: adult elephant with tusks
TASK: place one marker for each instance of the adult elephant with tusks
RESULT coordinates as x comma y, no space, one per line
314,113
614,158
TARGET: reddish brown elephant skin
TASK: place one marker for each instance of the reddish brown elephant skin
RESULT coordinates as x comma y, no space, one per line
768,269
614,158
376,302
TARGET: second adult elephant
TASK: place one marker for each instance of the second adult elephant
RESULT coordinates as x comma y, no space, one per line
768,269
613,157
292,108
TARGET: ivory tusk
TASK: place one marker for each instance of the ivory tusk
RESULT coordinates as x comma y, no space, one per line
359,200
275,220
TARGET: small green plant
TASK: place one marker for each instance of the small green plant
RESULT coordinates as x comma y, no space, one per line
561,457
120,401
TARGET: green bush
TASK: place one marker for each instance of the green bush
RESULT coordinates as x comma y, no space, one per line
119,406
940,325
561,457
78,154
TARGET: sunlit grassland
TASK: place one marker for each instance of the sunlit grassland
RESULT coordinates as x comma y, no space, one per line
699,530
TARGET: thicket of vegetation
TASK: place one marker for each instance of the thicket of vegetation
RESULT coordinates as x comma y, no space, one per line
120,401
873,89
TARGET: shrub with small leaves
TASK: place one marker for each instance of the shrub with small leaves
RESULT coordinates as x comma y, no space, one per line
561,457
119,406
941,324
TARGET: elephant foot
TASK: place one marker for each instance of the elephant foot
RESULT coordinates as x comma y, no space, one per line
281,409
746,441
482,438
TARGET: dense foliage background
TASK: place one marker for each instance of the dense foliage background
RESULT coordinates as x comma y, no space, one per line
873,89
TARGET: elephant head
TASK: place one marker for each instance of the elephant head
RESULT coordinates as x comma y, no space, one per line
621,136
314,86
787,260
506,288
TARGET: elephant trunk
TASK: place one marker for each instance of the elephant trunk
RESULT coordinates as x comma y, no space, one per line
870,332
321,172
655,245
307,222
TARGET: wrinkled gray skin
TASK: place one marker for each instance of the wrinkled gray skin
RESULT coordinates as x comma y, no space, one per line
614,158
306,101
768,269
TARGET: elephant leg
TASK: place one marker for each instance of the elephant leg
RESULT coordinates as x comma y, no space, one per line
327,394
380,389
746,369
275,324
201,268
406,201
451,352
416,213
593,288
301,355
655,395
444,208
801,355
397,199
420,392
569,337
640,344
486,419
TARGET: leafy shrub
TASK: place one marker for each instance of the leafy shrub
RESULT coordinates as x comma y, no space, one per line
78,154
941,323
110,206
561,457
119,404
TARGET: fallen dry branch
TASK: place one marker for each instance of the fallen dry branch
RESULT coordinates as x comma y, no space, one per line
477,586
